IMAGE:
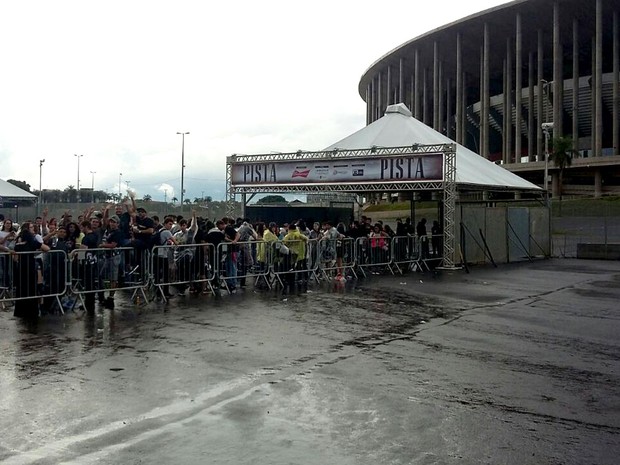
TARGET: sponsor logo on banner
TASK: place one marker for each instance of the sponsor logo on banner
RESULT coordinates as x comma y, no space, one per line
300,173
358,172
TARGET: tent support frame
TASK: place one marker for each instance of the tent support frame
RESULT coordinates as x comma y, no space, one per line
447,185
449,196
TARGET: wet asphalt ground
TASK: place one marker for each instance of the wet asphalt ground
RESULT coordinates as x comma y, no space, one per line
515,365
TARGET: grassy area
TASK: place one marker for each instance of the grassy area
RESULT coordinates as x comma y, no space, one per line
398,206
605,206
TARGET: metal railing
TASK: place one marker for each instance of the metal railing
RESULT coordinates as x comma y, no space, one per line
38,276
87,273
183,266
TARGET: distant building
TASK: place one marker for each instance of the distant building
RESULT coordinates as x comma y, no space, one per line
489,81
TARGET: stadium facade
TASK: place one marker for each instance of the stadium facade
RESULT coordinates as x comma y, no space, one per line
493,82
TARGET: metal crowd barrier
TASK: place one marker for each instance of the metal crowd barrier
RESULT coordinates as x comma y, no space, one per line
293,261
405,252
265,255
86,273
183,266
337,256
34,275
226,266
250,260
373,253
95,271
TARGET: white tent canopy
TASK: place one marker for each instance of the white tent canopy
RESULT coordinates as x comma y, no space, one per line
397,128
10,191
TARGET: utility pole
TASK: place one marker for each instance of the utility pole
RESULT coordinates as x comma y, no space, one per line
40,191
92,186
78,176
182,164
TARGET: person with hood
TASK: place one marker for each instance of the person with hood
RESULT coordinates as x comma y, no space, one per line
26,305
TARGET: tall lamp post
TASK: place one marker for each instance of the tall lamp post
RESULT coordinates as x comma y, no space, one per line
78,177
92,186
547,128
120,177
40,191
182,164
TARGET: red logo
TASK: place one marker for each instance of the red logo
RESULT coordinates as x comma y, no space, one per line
300,174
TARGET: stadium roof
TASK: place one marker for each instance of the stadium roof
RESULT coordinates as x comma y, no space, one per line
397,128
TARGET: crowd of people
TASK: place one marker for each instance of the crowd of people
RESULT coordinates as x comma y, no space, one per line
110,248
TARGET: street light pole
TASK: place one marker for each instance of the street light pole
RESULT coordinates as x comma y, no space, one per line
40,191
120,176
182,164
78,187
92,187
547,128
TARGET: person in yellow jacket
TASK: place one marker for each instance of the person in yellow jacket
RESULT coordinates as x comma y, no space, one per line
264,253
296,243
266,248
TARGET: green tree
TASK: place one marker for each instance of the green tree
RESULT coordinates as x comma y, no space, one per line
174,200
269,199
70,194
562,156
147,198
21,184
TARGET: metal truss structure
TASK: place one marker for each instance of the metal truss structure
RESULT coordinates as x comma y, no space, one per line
449,212
414,149
448,185
353,188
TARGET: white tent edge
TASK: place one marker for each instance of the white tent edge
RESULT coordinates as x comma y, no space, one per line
12,192
398,128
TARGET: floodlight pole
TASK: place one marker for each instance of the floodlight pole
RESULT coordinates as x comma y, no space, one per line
78,176
547,127
40,191
182,164
92,186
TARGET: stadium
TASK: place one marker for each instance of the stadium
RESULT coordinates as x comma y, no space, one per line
509,80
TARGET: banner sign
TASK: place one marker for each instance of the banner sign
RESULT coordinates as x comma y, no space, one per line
397,168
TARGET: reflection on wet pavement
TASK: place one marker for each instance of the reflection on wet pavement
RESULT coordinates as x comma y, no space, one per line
374,371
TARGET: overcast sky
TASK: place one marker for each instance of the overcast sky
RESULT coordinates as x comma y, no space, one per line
116,80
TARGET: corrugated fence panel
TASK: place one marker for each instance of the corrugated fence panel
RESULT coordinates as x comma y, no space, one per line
518,234
539,230
496,234
473,219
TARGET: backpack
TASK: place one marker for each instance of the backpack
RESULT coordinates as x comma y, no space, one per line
156,237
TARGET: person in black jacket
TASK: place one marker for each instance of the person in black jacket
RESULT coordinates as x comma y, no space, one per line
26,305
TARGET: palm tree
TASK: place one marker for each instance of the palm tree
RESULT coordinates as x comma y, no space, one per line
562,156
174,200
147,198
